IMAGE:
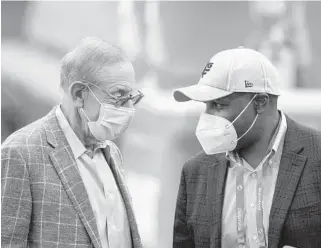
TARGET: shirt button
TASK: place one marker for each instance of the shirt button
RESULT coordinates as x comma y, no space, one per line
254,237
239,187
252,205
254,175
270,162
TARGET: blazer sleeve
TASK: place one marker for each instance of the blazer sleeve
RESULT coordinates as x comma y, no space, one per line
181,237
16,203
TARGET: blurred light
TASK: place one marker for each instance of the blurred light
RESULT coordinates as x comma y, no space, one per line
155,47
145,191
62,24
269,8
162,101
39,72
128,34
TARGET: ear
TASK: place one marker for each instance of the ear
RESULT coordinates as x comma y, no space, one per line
260,102
78,92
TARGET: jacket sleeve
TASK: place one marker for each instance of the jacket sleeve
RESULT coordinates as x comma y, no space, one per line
16,201
182,237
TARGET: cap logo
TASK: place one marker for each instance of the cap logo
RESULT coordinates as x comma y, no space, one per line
248,84
207,68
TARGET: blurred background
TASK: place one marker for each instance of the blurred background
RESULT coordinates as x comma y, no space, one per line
169,44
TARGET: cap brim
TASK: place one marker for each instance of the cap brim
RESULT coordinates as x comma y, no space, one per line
199,92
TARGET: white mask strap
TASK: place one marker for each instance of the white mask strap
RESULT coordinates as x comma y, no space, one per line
97,101
85,114
244,109
94,94
249,128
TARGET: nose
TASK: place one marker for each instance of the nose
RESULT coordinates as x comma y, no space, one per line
210,111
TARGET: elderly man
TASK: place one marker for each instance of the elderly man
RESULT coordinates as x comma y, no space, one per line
258,181
62,179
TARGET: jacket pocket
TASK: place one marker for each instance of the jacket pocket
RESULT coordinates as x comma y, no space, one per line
305,218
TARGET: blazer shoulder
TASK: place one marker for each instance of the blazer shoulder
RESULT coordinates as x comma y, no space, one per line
25,135
302,129
25,141
314,146
310,138
201,161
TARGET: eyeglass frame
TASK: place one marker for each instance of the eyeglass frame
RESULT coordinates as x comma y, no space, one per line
140,95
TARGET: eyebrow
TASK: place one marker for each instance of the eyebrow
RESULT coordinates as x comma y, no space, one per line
220,100
116,88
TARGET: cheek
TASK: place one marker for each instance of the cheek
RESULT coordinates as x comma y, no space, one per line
92,109
240,126
243,124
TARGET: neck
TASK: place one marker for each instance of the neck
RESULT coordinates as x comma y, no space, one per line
255,152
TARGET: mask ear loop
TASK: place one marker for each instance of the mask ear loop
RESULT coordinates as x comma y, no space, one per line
241,114
249,128
94,94
247,105
82,109
252,122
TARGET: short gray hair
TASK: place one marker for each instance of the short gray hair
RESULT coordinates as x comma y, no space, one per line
86,61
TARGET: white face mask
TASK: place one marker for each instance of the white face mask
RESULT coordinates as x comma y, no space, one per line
217,134
112,121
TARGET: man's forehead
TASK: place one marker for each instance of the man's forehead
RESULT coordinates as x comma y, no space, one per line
123,86
121,75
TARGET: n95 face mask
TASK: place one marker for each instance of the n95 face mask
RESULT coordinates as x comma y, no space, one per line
112,121
217,134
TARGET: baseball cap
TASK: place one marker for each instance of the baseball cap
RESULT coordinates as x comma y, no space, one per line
234,70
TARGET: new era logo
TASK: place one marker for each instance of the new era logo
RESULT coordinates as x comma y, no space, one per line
207,68
248,84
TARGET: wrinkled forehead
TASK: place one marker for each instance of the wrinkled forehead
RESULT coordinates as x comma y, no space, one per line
118,76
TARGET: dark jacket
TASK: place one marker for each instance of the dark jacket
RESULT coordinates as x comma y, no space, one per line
295,217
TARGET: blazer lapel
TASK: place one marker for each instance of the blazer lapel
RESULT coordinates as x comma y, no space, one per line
67,169
126,197
290,170
217,172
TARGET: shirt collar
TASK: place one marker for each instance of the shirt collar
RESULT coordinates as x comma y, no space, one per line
96,147
279,134
274,145
233,158
77,147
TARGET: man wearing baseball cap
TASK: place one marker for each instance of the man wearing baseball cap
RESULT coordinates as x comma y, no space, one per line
258,181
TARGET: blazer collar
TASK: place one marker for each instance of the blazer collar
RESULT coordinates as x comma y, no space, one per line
290,170
64,162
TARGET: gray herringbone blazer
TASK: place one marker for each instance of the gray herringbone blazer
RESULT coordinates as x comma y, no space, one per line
295,217
44,202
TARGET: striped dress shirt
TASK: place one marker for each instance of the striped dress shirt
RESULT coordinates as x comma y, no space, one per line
269,167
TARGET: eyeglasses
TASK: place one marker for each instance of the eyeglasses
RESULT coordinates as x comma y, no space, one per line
120,94
135,98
